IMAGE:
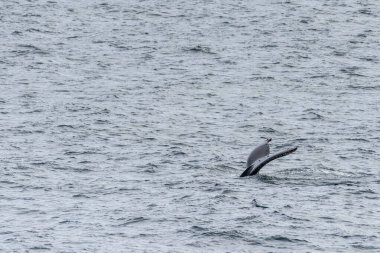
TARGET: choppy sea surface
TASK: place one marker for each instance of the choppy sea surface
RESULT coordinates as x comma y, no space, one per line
124,125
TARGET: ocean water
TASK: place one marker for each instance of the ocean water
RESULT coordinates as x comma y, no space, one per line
124,125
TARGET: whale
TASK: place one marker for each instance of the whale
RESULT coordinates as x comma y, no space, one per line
261,156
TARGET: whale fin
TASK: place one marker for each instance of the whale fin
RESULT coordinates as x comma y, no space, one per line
256,154
256,167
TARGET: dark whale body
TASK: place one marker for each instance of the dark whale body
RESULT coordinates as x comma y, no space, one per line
260,156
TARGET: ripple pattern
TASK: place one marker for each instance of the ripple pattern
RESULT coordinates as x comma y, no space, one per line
124,125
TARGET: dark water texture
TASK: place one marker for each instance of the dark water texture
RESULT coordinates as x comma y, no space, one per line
124,126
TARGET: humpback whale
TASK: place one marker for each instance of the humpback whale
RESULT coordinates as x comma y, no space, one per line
260,156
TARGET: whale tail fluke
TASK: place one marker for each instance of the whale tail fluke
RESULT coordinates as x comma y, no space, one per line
260,156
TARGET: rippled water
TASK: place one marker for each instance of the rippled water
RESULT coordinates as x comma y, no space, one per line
124,126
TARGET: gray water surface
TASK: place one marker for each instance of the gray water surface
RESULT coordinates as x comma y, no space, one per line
124,125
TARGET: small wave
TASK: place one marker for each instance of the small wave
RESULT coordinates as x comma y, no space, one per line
16,33
261,78
131,221
228,234
249,218
268,179
69,168
222,167
65,126
80,195
68,222
269,46
351,71
198,228
40,248
365,247
364,87
150,170
255,204
339,53
178,153
365,12
199,49
320,76
74,153
128,189
283,239
30,49
267,130
365,191
357,139
6,182
369,59
312,116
